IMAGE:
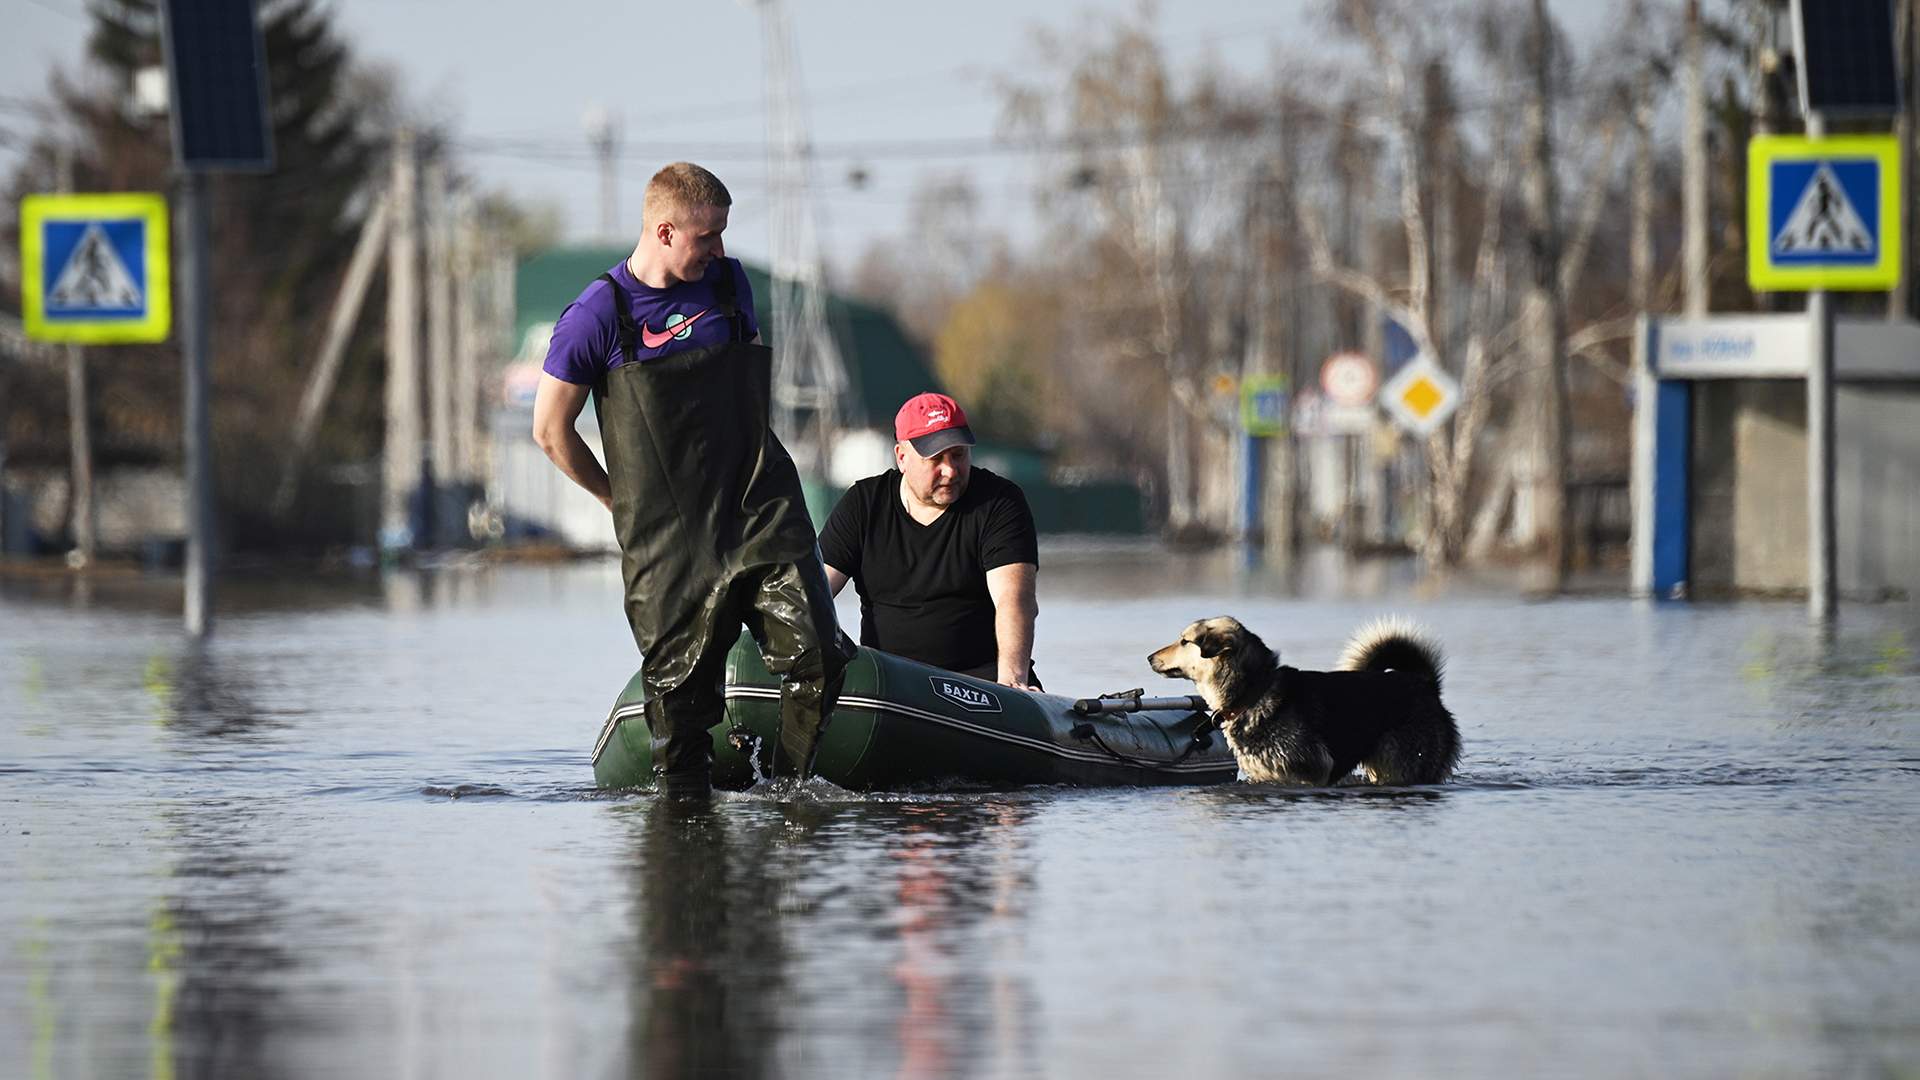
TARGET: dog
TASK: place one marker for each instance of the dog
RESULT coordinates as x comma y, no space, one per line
1380,713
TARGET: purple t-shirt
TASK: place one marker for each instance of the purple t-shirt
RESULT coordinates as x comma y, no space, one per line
673,319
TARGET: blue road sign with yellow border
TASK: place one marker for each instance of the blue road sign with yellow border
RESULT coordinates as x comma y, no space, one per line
1823,213
94,268
1263,405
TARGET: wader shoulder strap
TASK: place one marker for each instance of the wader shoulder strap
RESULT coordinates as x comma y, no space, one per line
624,332
726,295
624,328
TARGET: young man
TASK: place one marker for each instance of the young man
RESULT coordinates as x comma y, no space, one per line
706,504
943,554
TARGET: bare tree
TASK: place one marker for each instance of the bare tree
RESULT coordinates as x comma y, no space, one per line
1151,196
1545,309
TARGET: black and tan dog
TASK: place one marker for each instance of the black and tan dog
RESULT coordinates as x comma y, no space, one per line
1381,712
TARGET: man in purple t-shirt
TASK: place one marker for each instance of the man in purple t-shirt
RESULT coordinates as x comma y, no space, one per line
669,280
705,503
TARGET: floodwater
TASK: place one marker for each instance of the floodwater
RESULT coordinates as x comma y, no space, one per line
357,836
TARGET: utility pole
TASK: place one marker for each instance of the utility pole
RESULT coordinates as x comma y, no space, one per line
440,388
603,134
1545,317
809,376
466,360
1693,191
1640,235
333,348
500,323
402,453
79,430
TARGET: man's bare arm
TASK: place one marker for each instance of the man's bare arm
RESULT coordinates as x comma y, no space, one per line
836,580
1014,609
556,405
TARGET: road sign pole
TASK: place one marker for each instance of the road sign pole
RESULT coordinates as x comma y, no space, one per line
1822,580
195,426
78,431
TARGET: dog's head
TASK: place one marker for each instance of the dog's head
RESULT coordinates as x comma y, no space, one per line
1217,654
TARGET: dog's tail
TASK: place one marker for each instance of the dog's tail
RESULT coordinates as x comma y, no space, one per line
1394,643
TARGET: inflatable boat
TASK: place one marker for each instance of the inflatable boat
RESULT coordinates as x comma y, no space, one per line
902,725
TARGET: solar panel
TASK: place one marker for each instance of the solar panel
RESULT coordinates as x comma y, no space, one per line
219,74
1846,54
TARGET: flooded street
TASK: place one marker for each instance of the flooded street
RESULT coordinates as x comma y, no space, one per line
357,835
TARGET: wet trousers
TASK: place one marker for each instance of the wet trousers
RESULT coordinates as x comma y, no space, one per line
788,609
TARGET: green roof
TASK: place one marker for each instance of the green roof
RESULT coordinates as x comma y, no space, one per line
884,367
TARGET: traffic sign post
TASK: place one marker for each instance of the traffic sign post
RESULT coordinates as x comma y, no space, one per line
1823,213
1348,378
1263,405
1420,396
94,269
217,69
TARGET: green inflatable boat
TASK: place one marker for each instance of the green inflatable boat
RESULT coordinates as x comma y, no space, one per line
902,725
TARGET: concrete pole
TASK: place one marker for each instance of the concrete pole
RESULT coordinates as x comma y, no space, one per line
466,362
196,425
1645,429
440,388
1823,590
502,320
346,312
402,454
603,134
79,431
1693,194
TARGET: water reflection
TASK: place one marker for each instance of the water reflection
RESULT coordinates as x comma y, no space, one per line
198,695
711,960
937,891
217,937
958,878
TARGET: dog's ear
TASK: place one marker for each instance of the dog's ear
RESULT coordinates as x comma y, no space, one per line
1214,643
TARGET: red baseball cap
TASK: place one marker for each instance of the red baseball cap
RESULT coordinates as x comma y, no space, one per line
932,423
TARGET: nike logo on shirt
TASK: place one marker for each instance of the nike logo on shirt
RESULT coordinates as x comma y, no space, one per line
682,330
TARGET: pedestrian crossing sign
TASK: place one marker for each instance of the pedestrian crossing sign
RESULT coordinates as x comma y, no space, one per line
1823,213
1263,405
94,268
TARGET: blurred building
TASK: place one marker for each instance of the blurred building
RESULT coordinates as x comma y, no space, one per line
1721,470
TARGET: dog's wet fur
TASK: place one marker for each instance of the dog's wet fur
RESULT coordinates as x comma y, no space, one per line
1380,713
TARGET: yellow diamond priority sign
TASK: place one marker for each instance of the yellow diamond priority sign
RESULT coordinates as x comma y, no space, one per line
1420,396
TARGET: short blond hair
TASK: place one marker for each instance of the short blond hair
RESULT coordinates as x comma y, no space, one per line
682,186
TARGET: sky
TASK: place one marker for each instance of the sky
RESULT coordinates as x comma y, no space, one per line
884,85
517,80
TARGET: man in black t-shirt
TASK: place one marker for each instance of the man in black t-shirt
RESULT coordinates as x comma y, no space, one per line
943,554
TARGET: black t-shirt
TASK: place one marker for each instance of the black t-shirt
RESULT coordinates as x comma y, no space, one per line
923,588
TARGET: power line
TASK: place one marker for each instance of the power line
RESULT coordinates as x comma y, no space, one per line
1602,76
